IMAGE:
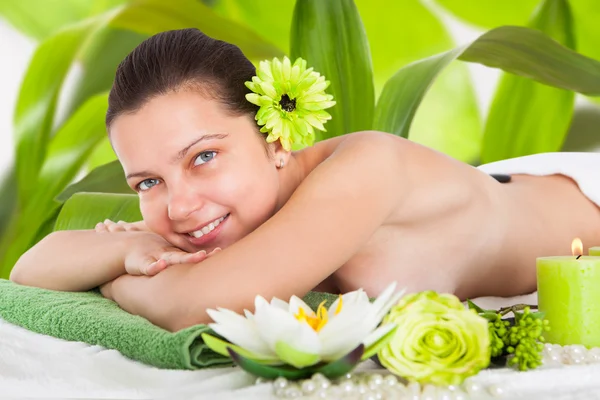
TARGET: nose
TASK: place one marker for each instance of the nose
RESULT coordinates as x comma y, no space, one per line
184,201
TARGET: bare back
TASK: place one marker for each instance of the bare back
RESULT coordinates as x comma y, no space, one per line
461,231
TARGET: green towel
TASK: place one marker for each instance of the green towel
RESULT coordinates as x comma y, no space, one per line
90,318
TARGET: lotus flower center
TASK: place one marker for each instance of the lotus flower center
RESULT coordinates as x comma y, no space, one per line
319,320
287,104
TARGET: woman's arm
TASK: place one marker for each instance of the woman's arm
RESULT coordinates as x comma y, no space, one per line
330,216
80,260
75,260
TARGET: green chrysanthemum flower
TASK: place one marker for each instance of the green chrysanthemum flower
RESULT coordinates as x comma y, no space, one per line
292,101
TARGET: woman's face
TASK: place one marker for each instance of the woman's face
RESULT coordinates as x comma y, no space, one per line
203,176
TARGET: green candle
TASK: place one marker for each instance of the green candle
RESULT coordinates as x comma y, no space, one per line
594,251
569,294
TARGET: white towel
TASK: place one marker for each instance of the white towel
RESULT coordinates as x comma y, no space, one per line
583,168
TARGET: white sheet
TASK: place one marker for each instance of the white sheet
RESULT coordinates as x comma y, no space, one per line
39,366
583,168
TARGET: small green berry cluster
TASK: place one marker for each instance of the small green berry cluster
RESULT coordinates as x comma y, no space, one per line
520,342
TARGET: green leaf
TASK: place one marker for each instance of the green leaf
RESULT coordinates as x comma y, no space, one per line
295,357
102,154
344,365
107,178
271,19
491,13
25,15
408,32
473,306
66,154
98,60
85,210
149,17
333,370
587,29
220,346
521,51
331,37
375,347
36,104
514,127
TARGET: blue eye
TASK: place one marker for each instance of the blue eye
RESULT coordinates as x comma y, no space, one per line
147,184
204,157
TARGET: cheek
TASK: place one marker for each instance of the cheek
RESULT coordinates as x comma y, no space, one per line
154,216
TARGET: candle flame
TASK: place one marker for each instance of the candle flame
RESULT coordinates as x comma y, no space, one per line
577,247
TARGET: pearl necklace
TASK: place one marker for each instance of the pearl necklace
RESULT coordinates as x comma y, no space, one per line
376,386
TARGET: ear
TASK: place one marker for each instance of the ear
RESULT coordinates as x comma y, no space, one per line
280,155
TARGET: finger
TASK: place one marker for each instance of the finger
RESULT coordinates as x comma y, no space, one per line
181,257
215,250
100,227
155,267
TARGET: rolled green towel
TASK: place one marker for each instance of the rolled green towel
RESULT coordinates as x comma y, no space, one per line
90,318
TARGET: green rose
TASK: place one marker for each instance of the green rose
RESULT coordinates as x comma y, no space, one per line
438,340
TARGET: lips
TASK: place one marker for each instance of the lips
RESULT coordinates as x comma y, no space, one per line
206,238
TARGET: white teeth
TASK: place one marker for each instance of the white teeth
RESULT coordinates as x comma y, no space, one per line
206,229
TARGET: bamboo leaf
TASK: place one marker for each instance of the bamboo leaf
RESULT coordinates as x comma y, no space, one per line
271,19
97,207
108,178
331,37
491,13
587,29
408,32
25,15
518,50
36,104
514,127
149,17
66,154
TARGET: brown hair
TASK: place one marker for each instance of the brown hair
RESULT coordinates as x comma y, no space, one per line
181,59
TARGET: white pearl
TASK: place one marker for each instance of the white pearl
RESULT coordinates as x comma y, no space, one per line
444,394
280,383
260,381
429,392
390,380
413,390
375,380
292,392
347,386
495,390
361,388
308,386
472,388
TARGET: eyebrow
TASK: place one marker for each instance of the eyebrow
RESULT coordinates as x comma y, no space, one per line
182,152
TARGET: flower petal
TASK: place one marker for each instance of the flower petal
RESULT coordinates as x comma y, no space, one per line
273,324
297,303
346,331
299,347
240,331
286,69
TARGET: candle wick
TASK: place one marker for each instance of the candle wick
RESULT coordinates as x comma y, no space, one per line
578,257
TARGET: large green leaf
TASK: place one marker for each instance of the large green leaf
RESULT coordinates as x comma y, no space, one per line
36,104
514,127
271,19
98,207
98,61
108,178
66,154
149,17
408,32
587,29
521,51
491,13
25,15
331,37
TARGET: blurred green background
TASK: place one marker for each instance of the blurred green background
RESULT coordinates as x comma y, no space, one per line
391,63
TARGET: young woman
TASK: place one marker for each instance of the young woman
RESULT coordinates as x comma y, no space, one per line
354,211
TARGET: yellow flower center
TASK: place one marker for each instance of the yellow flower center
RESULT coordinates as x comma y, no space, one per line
319,320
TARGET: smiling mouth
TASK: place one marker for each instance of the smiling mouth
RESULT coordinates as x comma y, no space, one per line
207,228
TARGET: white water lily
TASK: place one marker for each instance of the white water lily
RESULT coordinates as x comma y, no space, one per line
292,333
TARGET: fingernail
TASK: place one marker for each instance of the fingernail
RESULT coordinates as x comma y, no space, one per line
201,251
217,249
